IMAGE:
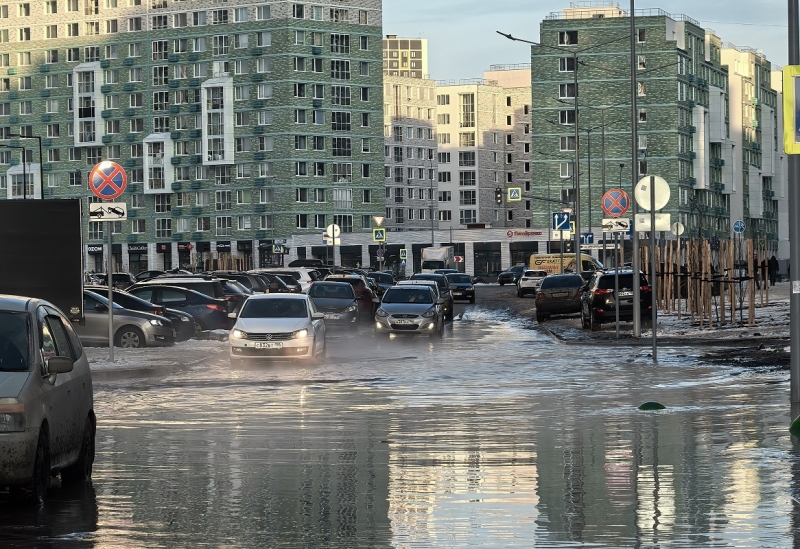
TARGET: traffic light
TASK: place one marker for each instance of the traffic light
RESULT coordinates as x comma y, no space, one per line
498,195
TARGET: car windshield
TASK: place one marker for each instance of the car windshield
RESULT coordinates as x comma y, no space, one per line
274,308
13,342
331,291
438,279
558,281
459,278
408,296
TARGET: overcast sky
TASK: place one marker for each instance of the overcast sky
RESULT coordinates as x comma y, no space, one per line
462,42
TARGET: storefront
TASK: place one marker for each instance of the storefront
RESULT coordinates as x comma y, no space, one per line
116,257
245,251
137,258
223,259
522,251
95,263
165,250
185,255
203,255
487,258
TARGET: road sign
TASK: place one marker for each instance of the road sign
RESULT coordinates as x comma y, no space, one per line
591,246
617,225
791,112
331,241
403,254
642,192
107,180
739,226
560,221
643,222
561,235
514,194
108,211
615,203
279,249
459,259
587,238
379,235
333,230
379,252
677,228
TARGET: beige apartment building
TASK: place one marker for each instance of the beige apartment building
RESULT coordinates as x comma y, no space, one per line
405,57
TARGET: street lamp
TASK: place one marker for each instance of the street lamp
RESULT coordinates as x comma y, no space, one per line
41,160
24,170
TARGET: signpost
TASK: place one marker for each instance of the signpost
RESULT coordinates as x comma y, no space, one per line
331,236
107,181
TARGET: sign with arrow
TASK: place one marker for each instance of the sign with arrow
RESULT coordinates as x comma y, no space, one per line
108,211
616,225
561,221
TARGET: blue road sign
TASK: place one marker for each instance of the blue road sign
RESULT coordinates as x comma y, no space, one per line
587,238
404,253
561,221
738,226
514,194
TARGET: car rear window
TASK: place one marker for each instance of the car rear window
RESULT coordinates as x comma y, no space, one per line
625,281
331,291
559,281
459,278
13,341
536,273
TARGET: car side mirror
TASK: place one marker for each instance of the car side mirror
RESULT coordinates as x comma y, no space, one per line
101,307
317,316
59,365
233,316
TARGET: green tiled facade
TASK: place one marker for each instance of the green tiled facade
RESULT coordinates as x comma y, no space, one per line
269,50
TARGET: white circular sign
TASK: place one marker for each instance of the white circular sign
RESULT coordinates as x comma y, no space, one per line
333,230
677,228
642,192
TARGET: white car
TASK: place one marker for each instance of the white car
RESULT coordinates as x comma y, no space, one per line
47,421
279,326
529,282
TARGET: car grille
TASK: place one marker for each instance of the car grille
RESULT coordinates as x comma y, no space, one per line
269,337
404,326
405,316
332,309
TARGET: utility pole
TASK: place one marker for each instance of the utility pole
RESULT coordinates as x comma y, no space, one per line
637,304
794,232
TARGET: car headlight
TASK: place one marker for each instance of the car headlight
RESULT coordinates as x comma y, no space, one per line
12,415
470,288
429,313
300,334
155,322
381,312
238,334
351,308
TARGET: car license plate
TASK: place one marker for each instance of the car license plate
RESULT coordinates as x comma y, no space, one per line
269,345
625,294
457,293
404,322
331,317
560,294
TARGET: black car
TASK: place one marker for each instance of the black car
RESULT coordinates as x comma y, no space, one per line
250,281
336,300
598,304
275,284
209,313
384,280
559,295
510,276
183,323
444,290
461,286
120,280
147,275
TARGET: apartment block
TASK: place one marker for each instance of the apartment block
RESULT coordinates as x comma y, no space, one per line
238,123
405,57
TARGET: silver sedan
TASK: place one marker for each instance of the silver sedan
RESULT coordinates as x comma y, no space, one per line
411,309
131,328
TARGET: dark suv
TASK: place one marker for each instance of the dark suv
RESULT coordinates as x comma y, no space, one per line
510,276
598,300
444,289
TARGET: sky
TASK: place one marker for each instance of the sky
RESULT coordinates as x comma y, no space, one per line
462,42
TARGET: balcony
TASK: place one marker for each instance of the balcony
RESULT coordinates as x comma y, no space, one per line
692,181
12,71
261,182
174,84
130,138
175,160
46,118
193,57
128,62
316,103
174,109
128,87
256,51
718,186
105,88
132,213
131,237
258,129
316,50
258,104
173,58
195,134
194,82
769,193
44,93
196,185
175,135
104,64
259,156
692,129
692,155
176,211
260,208
717,162
106,114
106,139
177,236
257,77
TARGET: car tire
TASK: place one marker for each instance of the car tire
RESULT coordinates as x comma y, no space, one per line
199,326
584,321
595,326
81,470
540,317
472,299
451,314
34,492
129,337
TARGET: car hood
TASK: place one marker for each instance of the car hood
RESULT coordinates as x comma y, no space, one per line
406,308
11,383
271,325
332,303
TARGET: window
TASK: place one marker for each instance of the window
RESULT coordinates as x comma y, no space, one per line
466,139
363,68
340,121
465,158
25,83
263,13
642,61
467,198
160,22
566,117
466,179
338,15
565,169
567,143
641,89
642,115
219,17
340,95
180,20
24,58
566,64
163,227
566,91
240,15
263,38
340,43
640,35
203,223
198,18
298,11
340,69
642,167
342,146
224,224
163,203
567,38
343,200
219,45
467,216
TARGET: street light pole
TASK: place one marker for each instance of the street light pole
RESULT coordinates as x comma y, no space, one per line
794,232
637,305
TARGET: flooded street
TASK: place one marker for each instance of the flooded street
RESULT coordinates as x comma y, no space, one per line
495,436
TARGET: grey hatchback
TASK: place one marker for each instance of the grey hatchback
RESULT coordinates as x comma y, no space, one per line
559,295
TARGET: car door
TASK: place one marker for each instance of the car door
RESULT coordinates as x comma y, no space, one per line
319,326
95,327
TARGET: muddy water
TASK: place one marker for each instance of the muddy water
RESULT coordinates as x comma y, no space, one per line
495,436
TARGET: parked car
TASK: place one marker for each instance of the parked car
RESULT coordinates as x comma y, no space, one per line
410,308
46,399
278,326
235,293
384,281
132,329
209,313
275,284
598,304
558,295
529,282
183,323
302,275
208,285
367,301
444,291
486,278
461,286
510,276
119,280
445,271
147,275
337,300
252,282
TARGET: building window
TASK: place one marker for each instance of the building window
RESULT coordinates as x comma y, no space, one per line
640,35
224,225
566,91
642,115
641,88
566,64
340,69
567,143
467,217
566,117
163,228
567,38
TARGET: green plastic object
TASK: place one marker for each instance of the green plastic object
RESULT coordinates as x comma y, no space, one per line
653,406
794,428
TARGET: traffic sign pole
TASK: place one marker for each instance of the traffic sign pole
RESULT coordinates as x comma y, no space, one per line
794,223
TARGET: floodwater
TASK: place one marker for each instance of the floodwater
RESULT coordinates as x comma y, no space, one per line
495,436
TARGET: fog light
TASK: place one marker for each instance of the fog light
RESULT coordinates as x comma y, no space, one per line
378,325
431,326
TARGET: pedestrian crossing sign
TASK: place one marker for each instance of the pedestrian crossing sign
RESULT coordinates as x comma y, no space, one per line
514,194
404,253
379,235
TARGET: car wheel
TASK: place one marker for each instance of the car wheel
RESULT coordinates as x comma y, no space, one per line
472,299
198,326
594,325
501,283
584,321
34,492
129,337
81,470
539,317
